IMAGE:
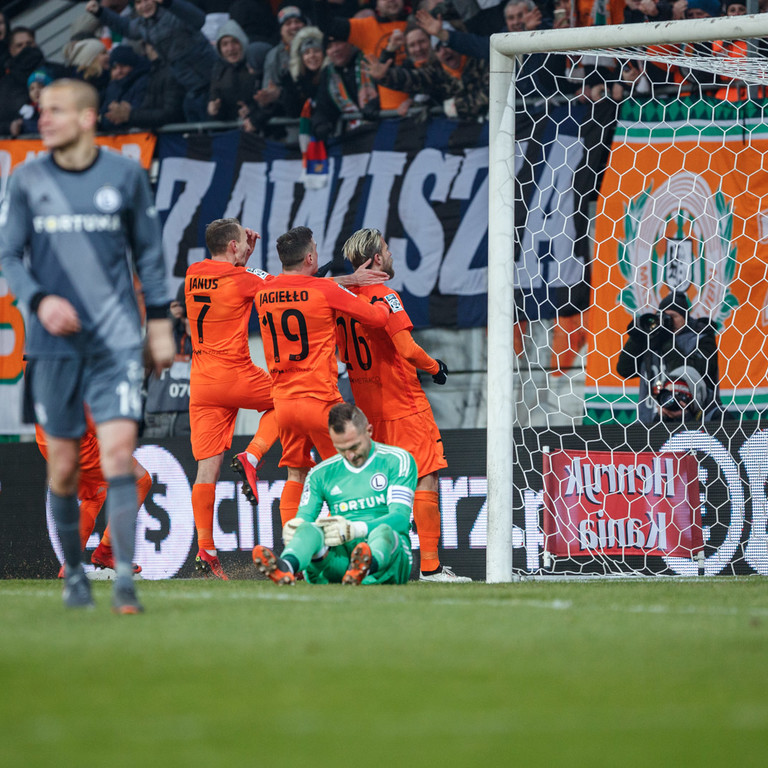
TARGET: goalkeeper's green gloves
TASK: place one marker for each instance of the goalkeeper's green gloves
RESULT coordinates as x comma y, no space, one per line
338,530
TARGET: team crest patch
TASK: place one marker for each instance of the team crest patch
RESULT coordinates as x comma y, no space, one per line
107,199
394,302
379,482
258,272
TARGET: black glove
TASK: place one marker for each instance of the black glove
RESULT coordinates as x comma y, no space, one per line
442,373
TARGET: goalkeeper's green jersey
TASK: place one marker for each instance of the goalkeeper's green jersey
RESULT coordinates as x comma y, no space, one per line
380,491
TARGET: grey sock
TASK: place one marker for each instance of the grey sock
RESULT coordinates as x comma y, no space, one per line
122,509
66,513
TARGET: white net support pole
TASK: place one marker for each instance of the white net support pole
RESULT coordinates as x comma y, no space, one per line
501,317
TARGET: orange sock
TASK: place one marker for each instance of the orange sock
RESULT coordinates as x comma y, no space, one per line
143,486
203,498
265,436
89,511
289,500
426,515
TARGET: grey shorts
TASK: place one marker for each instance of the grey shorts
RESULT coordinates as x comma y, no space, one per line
108,383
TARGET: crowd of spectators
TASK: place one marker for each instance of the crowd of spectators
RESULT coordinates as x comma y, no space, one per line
156,62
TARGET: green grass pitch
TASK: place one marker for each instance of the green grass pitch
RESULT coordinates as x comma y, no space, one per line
244,673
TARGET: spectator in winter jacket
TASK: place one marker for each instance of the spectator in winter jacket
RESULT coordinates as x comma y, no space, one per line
456,82
129,81
24,57
173,28
26,122
162,102
232,84
370,34
301,81
291,20
345,87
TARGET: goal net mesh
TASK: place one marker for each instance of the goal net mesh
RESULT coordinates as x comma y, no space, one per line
640,242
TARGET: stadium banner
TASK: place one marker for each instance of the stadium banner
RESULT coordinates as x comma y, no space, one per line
730,461
424,184
140,146
621,503
557,167
672,214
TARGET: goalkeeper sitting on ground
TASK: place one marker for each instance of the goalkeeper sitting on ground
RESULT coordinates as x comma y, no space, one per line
369,490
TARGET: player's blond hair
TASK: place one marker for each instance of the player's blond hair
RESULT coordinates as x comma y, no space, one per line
362,245
84,94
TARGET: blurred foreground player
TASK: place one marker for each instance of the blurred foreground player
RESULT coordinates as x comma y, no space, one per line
368,488
67,225
382,364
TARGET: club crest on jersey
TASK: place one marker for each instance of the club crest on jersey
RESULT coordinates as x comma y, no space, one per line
107,199
394,302
379,481
258,272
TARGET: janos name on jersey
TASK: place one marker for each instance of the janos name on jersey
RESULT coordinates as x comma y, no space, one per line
280,297
203,283
77,222
358,505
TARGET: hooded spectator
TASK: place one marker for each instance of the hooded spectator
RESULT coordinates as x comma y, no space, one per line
174,31
26,122
129,81
232,84
24,57
162,103
303,76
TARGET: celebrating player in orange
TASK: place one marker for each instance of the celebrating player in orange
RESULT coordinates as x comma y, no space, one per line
297,313
382,365
219,295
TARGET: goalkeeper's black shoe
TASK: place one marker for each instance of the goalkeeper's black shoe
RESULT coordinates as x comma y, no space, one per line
271,566
359,564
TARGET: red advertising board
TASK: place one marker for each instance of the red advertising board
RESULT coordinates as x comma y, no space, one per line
621,503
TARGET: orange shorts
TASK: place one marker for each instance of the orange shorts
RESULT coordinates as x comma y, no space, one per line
90,456
213,409
418,434
302,424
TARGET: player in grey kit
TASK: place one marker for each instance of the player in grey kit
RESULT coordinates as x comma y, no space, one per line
67,225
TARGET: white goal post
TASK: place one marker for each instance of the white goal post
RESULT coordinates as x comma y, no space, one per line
505,48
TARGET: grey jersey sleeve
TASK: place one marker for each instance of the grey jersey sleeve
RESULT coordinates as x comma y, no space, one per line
146,241
15,230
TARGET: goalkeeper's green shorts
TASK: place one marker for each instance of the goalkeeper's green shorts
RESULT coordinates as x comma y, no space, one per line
391,550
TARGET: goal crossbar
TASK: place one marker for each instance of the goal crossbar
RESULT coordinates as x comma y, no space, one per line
628,35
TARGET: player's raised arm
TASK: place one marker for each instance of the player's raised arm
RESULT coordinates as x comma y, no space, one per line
376,315
363,276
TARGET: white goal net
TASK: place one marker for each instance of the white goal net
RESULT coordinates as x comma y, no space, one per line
628,310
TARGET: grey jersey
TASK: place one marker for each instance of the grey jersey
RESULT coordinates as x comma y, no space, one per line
69,233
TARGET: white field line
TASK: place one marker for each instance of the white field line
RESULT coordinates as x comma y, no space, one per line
317,595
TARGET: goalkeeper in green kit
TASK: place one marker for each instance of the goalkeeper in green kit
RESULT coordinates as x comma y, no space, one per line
369,489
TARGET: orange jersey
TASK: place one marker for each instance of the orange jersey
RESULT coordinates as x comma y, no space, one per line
371,36
219,297
384,383
297,315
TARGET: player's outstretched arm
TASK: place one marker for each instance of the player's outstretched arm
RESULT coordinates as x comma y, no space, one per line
362,276
407,347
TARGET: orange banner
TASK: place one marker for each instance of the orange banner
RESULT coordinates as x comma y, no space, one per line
683,205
